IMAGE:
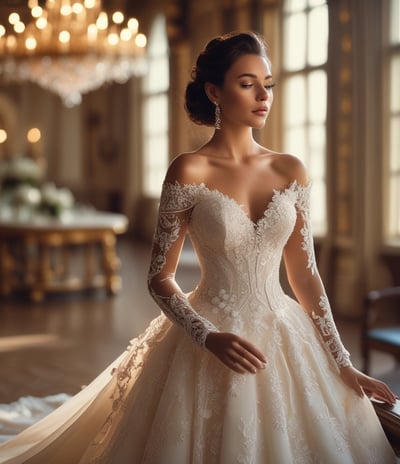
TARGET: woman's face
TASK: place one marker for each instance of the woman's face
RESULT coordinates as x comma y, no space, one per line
246,96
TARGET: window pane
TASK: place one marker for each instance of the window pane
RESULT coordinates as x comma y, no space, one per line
316,90
294,5
394,207
318,206
156,113
313,3
295,143
295,100
395,146
395,22
295,43
395,84
157,78
317,151
318,36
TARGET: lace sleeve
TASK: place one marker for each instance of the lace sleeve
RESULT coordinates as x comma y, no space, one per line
307,286
176,204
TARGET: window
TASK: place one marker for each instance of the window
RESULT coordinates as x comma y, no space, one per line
393,194
305,49
155,110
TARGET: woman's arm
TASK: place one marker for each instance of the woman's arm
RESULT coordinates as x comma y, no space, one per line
308,288
176,204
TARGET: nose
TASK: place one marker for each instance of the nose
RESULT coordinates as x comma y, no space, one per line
262,94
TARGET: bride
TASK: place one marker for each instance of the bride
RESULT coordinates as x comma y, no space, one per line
235,371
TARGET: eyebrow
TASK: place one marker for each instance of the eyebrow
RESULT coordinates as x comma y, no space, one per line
254,76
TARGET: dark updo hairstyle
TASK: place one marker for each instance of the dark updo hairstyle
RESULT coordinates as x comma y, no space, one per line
212,65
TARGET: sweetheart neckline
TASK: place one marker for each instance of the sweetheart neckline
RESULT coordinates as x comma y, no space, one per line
255,223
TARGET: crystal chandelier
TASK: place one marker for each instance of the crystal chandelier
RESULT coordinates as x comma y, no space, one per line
71,47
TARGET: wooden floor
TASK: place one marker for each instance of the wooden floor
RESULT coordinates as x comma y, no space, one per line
62,343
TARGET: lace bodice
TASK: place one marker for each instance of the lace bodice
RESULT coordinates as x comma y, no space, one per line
239,259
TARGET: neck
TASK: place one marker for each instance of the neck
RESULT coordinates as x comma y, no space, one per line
234,144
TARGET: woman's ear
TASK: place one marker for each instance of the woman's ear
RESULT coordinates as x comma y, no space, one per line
212,92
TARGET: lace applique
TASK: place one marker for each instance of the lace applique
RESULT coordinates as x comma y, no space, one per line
224,303
177,308
327,328
175,199
303,205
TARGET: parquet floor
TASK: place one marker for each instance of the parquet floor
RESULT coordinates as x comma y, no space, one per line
65,341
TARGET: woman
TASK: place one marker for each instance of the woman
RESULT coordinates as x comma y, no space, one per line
254,376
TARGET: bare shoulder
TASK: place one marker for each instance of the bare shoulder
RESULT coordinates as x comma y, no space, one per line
290,167
186,168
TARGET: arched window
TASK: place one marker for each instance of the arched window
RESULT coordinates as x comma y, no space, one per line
155,110
393,159
305,51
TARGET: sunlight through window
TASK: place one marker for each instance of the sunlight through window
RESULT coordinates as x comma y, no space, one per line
305,50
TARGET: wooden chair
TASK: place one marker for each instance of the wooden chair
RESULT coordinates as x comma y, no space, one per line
381,324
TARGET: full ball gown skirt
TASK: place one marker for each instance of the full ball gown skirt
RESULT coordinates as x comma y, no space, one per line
166,400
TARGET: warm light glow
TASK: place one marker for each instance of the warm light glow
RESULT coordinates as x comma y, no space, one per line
77,8
102,21
13,18
141,40
118,17
113,39
30,43
3,135
71,47
41,22
92,32
133,25
66,10
37,11
19,27
126,34
33,135
64,37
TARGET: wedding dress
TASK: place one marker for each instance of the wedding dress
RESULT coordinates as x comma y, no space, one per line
167,400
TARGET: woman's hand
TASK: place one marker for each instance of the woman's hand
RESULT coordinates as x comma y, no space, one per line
363,384
235,352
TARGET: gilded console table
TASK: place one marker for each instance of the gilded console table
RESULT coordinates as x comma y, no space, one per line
49,255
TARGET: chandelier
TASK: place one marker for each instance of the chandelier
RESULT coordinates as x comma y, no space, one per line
71,47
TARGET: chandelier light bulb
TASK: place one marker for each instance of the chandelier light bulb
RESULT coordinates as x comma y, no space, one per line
118,17
126,34
140,40
89,4
30,43
33,135
102,21
64,37
13,18
71,47
3,135
19,27
37,11
77,8
133,25
41,23
113,39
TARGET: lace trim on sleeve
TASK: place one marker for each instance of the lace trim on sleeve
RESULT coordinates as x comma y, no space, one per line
176,199
327,328
303,206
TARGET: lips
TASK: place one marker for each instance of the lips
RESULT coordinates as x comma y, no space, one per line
262,111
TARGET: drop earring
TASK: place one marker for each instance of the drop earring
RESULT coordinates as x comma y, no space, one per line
217,123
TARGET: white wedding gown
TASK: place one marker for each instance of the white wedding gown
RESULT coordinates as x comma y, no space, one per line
167,400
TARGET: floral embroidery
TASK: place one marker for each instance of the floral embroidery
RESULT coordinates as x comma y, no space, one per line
327,328
303,206
175,199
